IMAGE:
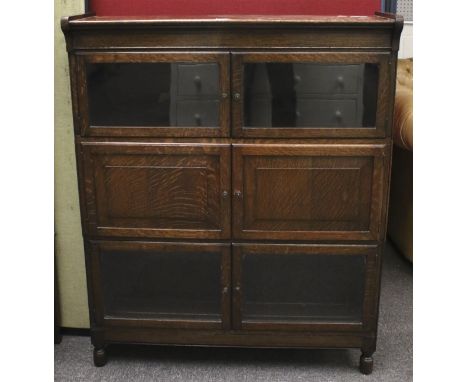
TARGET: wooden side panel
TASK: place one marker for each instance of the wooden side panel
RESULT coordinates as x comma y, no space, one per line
309,191
157,190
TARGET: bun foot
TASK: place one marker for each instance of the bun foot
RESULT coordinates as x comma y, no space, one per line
100,357
366,364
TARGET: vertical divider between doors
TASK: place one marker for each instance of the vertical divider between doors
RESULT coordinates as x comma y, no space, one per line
231,112
226,287
236,287
236,87
232,305
237,186
225,87
231,90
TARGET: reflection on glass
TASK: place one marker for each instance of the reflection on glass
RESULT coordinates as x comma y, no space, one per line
310,95
161,285
303,288
153,94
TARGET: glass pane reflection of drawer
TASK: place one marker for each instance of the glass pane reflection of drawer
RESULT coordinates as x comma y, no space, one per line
309,95
327,112
319,78
197,79
197,113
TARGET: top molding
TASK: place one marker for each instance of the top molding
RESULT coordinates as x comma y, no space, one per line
90,20
87,31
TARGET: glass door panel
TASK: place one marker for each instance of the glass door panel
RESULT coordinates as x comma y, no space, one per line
165,284
310,95
287,286
156,94
302,95
303,288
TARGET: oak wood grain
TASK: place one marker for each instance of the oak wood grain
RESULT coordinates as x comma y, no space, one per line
308,192
157,190
165,191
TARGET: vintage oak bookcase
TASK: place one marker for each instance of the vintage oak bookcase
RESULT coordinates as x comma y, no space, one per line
234,177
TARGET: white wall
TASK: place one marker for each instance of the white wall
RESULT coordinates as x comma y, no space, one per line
406,41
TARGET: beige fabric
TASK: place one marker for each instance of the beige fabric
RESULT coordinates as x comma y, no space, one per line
403,117
400,219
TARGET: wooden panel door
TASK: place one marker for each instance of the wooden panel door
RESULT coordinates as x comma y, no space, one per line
305,287
309,191
158,190
165,285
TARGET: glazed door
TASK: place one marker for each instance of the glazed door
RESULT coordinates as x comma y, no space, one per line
311,94
156,190
154,94
309,191
304,287
168,285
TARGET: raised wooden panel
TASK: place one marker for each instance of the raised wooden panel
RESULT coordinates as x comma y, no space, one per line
309,191
337,199
157,190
